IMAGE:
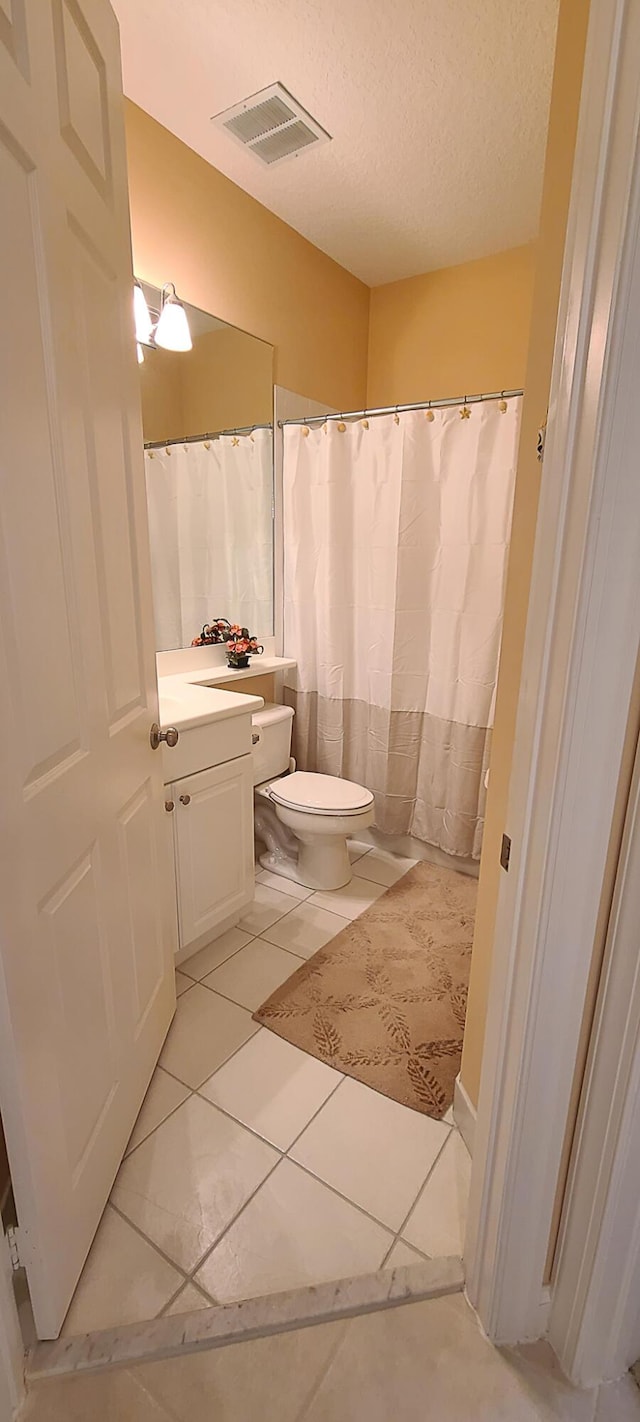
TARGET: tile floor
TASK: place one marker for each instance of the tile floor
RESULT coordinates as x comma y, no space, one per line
252,1166
426,1362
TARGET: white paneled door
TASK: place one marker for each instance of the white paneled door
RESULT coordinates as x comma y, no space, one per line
86,922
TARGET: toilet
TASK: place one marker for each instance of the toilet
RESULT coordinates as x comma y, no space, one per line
304,819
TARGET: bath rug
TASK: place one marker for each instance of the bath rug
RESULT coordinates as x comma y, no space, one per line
385,1000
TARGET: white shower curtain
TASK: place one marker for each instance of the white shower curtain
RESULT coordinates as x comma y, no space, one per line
396,541
211,531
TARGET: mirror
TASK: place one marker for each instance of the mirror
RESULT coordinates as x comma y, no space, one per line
207,417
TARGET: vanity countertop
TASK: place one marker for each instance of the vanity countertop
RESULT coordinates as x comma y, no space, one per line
184,704
259,666
194,697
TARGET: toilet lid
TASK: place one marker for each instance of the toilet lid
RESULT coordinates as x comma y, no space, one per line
320,794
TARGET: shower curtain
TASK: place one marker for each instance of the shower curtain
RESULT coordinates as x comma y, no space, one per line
396,534
211,530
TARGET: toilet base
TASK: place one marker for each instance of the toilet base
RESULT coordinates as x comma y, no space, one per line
323,864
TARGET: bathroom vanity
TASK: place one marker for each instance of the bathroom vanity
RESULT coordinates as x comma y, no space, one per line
209,790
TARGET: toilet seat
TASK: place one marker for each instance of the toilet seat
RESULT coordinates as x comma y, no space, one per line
313,794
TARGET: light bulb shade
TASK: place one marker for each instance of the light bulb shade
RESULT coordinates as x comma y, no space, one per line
172,331
140,353
142,315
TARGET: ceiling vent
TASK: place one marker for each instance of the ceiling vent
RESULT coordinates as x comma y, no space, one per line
273,125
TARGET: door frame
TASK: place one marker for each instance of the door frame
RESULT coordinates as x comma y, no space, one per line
576,697
582,639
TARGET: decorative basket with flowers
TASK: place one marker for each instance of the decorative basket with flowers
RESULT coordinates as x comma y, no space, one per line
239,649
240,645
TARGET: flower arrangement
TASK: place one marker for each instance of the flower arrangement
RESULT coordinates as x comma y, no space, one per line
239,643
239,649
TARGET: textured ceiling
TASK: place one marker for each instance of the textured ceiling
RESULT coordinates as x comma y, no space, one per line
438,112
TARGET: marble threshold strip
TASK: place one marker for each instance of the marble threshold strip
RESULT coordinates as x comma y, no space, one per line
217,1327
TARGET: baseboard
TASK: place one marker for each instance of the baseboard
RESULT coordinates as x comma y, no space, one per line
464,1115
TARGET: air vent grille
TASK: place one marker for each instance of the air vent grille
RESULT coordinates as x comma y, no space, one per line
285,141
254,123
273,125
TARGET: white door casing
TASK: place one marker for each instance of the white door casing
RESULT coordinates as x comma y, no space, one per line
86,927
213,827
582,642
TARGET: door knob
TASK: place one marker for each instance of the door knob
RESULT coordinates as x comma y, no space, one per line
168,805
185,799
171,736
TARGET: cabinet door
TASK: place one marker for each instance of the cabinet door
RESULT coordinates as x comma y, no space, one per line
213,821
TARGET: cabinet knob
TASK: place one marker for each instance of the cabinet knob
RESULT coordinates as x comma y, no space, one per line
168,805
185,799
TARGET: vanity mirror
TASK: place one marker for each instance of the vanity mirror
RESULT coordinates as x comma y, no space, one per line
207,416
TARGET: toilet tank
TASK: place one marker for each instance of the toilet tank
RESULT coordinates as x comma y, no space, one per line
272,751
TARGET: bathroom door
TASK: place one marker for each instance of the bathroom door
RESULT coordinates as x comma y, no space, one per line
86,922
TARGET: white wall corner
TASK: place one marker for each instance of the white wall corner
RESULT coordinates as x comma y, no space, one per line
464,1114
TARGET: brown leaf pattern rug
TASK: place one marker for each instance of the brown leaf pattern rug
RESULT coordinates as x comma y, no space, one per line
385,1000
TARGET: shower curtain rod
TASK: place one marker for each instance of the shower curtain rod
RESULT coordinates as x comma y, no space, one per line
197,439
397,409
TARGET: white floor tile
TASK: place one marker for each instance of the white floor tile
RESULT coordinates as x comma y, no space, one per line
619,1401
356,848
205,1031
403,1254
268,906
187,1181
215,953
163,1095
264,1380
253,974
272,1087
372,1150
305,930
429,1362
382,868
437,1223
294,1232
188,1300
350,901
283,885
123,1281
182,983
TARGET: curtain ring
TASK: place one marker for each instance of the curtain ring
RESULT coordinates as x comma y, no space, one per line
306,431
365,424
151,454
396,418
341,426
207,443
429,415
465,413
167,450
503,405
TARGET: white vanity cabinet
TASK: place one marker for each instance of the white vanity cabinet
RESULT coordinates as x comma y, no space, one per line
208,774
212,818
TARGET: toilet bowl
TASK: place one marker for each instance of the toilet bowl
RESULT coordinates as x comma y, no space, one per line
303,818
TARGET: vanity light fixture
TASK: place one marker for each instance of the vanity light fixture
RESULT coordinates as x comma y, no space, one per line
142,317
172,331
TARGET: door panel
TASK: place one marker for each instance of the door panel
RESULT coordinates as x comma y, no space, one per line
87,925
214,845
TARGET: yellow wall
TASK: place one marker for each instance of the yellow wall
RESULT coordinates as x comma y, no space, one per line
565,100
231,256
461,330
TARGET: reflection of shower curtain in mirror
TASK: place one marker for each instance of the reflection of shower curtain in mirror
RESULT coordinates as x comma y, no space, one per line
396,534
210,528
